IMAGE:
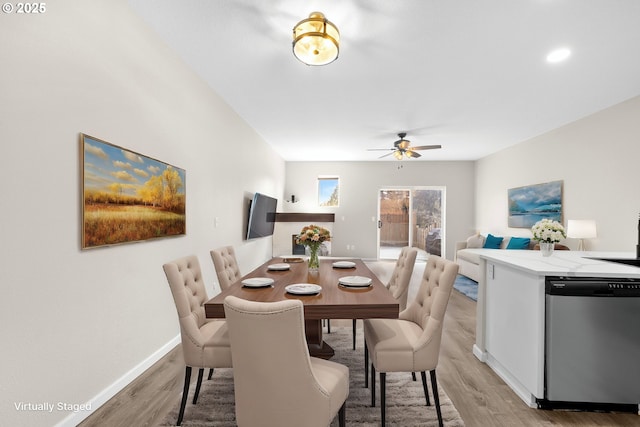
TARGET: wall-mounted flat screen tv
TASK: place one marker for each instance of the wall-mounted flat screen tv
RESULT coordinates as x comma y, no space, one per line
262,216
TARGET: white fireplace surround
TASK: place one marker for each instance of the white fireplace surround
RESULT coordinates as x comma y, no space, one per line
283,231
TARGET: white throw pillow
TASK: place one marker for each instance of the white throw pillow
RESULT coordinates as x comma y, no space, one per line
476,241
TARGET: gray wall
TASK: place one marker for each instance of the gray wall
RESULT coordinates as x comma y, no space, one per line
356,217
78,325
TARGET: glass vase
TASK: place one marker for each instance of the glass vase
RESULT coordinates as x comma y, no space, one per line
314,262
546,248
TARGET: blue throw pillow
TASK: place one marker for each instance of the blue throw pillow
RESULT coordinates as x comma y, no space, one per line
518,243
492,242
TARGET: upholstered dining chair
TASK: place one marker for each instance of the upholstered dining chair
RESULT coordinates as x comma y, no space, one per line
276,382
227,270
205,342
398,284
411,343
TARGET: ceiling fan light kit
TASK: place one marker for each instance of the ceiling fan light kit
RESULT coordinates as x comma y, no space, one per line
402,148
316,40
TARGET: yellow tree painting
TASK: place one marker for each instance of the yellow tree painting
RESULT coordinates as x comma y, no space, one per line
128,197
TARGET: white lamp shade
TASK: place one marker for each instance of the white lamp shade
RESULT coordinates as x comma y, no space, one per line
581,229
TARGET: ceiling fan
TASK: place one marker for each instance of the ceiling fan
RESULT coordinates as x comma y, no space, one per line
402,148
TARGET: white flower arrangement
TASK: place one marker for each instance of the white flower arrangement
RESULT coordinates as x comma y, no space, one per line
548,231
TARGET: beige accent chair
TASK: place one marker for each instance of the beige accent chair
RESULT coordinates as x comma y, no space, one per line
411,343
276,382
205,342
398,284
227,270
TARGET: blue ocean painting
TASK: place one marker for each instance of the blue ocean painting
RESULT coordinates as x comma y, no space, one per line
530,204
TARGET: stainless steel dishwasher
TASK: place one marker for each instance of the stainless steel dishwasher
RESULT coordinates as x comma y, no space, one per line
592,344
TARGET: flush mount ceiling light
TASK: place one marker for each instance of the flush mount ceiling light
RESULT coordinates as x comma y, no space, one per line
316,41
558,55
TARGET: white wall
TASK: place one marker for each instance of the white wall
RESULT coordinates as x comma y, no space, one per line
597,158
356,217
73,323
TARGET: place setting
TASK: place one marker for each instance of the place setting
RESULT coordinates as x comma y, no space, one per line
344,264
280,266
355,282
292,260
258,282
303,289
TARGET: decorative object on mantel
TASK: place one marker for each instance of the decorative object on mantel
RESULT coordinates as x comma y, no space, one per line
316,40
581,229
313,236
548,233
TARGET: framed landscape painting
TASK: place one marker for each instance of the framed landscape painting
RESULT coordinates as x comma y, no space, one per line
128,197
529,204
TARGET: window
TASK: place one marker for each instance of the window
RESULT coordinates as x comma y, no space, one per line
328,191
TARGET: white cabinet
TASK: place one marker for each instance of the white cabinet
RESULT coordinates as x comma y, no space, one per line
514,329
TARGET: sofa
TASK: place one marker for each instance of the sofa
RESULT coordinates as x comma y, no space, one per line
469,261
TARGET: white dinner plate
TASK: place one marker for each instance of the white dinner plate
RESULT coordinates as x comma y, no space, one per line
257,282
303,289
355,281
279,266
344,264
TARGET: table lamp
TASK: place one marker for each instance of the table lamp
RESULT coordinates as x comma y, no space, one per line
581,229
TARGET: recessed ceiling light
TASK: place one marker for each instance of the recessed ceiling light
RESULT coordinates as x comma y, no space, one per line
558,55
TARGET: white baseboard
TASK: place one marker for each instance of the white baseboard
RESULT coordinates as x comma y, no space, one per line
101,398
480,355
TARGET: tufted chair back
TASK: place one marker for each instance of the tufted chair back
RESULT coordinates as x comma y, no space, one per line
399,283
227,270
189,294
428,308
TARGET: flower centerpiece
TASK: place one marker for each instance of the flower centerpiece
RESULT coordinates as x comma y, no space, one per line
548,233
313,236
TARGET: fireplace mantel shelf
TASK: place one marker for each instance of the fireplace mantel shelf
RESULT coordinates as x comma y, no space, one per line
304,217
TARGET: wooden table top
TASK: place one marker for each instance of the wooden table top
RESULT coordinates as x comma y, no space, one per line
333,302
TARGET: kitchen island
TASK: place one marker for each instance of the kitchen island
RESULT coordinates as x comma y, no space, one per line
510,328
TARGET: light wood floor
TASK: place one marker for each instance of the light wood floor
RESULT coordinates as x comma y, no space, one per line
480,396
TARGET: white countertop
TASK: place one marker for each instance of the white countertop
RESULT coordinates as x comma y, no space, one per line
563,263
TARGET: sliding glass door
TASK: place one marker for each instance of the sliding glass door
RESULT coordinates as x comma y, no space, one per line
394,206
411,216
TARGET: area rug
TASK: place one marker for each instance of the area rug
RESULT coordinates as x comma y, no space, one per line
466,286
405,398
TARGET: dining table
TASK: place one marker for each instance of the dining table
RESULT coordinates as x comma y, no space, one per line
339,289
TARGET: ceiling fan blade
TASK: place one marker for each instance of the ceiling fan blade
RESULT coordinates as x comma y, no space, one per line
388,154
425,147
412,154
380,149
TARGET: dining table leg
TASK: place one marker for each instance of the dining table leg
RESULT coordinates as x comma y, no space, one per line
317,346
